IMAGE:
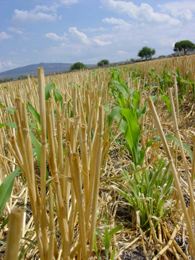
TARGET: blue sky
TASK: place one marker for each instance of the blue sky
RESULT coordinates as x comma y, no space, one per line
34,31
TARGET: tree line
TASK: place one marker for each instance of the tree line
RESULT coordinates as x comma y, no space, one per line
145,53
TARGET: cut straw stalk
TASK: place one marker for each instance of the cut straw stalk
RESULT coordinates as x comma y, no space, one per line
171,239
14,234
176,179
182,153
85,164
56,186
76,175
96,179
41,84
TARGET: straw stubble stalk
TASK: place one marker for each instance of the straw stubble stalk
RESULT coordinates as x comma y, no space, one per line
192,208
176,179
14,234
85,163
76,175
56,186
41,84
97,178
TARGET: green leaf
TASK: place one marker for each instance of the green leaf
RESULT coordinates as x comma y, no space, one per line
11,110
37,146
166,99
107,242
115,230
113,254
6,188
58,96
48,88
2,125
12,124
185,146
1,105
99,234
34,113
132,133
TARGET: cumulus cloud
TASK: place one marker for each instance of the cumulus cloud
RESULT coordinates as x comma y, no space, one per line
15,30
99,40
93,30
80,35
4,36
69,2
144,12
182,9
32,16
55,37
116,21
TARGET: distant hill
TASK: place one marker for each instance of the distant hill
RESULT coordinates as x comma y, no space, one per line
49,68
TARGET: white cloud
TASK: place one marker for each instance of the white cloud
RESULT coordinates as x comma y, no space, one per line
101,42
32,16
55,37
15,30
92,30
82,36
182,9
144,12
115,21
69,2
4,36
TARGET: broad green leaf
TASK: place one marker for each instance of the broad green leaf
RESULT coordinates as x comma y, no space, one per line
12,124
6,188
11,110
58,96
34,113
37,146
166,99
48,88
132,133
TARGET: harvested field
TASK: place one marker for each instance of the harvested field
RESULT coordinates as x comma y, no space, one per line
99,164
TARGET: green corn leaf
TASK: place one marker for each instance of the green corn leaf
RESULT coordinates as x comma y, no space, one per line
166,99
6,188
34,113
132,133
58,96
37,146
11,110
12,124
48,88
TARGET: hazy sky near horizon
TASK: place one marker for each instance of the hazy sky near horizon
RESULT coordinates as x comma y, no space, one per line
34,31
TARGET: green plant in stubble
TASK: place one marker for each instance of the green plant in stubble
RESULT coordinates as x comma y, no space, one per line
106,242
149,191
